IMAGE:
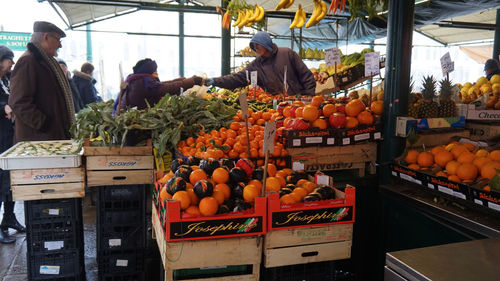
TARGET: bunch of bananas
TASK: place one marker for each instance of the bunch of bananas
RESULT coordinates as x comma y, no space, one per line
249,17
283,4
318,14
299,19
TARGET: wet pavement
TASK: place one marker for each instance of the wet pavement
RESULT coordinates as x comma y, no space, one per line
13,256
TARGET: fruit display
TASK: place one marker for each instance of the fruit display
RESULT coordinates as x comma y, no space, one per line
247,52
257,98
245,14
45,148
470,92
447,107
427,107
312,54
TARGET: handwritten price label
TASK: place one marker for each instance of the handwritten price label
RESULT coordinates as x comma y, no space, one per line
253,79
332,56
244,104
447,66
372,64
269,133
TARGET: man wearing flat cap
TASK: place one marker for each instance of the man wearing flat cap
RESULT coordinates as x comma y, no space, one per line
491,67
41,96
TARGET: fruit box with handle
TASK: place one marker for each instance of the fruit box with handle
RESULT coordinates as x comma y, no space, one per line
486,198
181,226
315,213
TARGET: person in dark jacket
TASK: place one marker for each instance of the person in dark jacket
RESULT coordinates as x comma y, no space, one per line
40,96
491,67
85,84
270,66
77,101
9,219
144,85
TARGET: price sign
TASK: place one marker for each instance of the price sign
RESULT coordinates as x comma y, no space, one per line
244,104
447,65
253,79
372,64
332,56
269,133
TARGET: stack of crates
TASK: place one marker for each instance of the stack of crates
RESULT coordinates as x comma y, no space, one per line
54,239
121,232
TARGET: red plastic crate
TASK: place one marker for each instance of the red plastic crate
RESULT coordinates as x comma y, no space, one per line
316,213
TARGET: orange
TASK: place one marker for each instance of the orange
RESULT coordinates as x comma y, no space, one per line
490,170
469,146
193,210
183,197
225,189
235,126
494,155
481,161
451,145
310,113
220,175
377,107
467,171
354,107
457,150
281,173
288,171
309,186
298,112
287,199
271,170
219,196
465,157
301,182
250,192
454,178
443,157
411,156
296,197
317,101
414,167
193,197
255,182
208,206
320,123
425,159
437,149
282,181
197,175
273,184
302,192
287,111
329,109
482,153
441,174
164,194
351,122
451,167
365,117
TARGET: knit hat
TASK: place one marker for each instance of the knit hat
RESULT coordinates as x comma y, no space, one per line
6,53
145,66
262,38
45,27
491,64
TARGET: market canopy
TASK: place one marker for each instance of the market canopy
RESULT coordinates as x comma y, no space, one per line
445,21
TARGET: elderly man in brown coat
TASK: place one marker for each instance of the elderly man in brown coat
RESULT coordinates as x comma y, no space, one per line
40,93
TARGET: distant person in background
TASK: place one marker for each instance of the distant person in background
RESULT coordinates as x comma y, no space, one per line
6,141
270,67
77,101
144,85
491,67
85,84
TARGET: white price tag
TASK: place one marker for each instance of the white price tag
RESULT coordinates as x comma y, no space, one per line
394,173
115,242
248,78
459,195
445,190
493,206
431,186
244,104
372,64
407,177
53,245
332,56
253,79
361,137
314,139
377,136
285,85
49,269
123,263
269,133
54,212
447,65
419,182
323,180
479,202
346,141
330,141
298,166
296,142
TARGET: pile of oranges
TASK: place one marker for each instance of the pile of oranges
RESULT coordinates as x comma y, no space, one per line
459,162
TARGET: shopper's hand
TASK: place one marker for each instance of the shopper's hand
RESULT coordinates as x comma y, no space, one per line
197,80
8,112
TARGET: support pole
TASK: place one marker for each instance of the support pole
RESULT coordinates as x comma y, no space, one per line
181,41
89,43
397,82
496,43
226,46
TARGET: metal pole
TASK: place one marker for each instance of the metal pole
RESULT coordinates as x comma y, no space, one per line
226,46
89,43
181,41
496,43
397,82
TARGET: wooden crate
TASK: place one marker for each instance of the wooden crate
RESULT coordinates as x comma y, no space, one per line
38,184
307,245
119,169
208,253
125,150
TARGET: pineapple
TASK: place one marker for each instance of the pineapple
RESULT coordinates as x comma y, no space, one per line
447,107
413,102
428,108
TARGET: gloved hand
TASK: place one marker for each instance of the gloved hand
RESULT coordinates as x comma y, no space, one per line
197,80
209,82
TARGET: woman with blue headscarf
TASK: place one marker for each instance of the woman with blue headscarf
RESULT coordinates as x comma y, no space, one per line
144,86
270,67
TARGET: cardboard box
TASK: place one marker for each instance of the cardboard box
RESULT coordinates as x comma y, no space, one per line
438,137
405,124
482,114
483,131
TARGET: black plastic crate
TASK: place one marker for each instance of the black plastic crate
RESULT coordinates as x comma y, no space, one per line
135,276
126,193
108,217
54,236
120,261
64,265
53,210
111,237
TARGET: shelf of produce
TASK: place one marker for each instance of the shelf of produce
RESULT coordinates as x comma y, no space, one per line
216,252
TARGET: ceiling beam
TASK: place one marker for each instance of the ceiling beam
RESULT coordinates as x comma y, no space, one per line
468,25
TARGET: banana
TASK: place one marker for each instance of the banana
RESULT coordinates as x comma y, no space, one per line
323,11
281,4
302,19
255,14
249,18
314,15
244,21
290,2
261,15
240,17
296,18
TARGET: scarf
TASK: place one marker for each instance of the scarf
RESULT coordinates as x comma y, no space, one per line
62,81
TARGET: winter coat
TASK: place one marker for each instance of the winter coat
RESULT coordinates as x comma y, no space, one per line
145,87
85,85
37,100
6,140
270,72
77,100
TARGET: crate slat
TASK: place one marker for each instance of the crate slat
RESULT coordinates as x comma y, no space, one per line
119,177
125,150
48,191
40,176
130,162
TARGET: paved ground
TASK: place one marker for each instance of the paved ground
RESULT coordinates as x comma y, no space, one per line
13,256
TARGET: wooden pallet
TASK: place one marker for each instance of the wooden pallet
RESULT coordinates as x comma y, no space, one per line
119,170
208,253
307,245
38,184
